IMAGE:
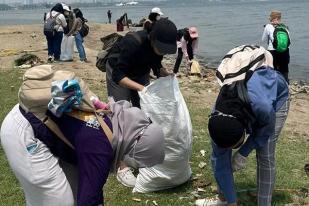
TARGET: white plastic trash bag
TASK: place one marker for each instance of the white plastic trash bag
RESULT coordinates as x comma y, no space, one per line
165,105
67,48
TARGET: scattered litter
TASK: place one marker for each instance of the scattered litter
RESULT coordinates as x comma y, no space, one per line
201,183
155,203
202,152
213,189
195,194
194,178
26,61
136,199
33,35
23,66
200,190
146,202
181,198
297,88
202,165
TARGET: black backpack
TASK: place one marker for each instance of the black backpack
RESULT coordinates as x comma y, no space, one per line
233,99
111,48
84,30
49,25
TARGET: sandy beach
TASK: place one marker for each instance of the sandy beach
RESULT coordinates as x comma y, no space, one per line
19,39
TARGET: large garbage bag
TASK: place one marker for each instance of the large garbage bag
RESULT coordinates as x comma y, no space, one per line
165,105
67,48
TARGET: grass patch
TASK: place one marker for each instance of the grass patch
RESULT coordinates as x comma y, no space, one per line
292,155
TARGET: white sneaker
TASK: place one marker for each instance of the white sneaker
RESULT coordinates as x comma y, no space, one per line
210,202
126,177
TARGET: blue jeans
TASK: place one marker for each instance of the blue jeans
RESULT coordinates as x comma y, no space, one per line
54,45
80,48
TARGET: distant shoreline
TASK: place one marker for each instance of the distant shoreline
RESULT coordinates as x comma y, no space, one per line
93,43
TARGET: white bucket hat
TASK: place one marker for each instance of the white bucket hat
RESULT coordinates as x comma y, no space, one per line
156,10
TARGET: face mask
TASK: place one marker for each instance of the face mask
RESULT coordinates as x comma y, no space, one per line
158,17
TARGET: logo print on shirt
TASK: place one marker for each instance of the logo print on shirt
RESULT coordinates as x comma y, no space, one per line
93,123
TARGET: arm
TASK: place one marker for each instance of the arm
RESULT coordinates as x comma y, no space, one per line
184,47
129,46
195,46
265,35
63,22
258,138
74,27
127,82
262,92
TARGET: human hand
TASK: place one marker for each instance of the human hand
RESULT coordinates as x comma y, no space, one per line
144,90
238,162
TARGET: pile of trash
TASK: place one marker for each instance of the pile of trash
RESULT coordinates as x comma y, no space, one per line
27,61
297,88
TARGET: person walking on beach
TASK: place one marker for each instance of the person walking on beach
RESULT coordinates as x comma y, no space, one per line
254,103
187,43
129,65
55,19
109,16
77,25
155,15
277,37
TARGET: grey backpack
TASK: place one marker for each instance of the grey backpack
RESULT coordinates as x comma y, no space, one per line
49,25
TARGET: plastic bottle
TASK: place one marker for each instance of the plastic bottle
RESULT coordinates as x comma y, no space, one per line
98,104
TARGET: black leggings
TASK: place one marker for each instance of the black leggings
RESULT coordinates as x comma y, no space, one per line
178,60
281,62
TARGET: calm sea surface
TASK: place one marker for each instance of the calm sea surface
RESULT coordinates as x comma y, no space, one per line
221,25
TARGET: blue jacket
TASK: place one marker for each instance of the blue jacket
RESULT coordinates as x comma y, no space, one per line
267,91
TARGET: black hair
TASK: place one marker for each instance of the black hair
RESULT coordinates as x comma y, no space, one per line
79,14
153,16
58,8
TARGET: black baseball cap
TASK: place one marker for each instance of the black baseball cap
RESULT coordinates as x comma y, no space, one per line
225,131
163,36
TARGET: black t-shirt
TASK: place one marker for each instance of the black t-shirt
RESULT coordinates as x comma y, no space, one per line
136,58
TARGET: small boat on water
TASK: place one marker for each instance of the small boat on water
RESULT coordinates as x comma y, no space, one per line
120,4
131,3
